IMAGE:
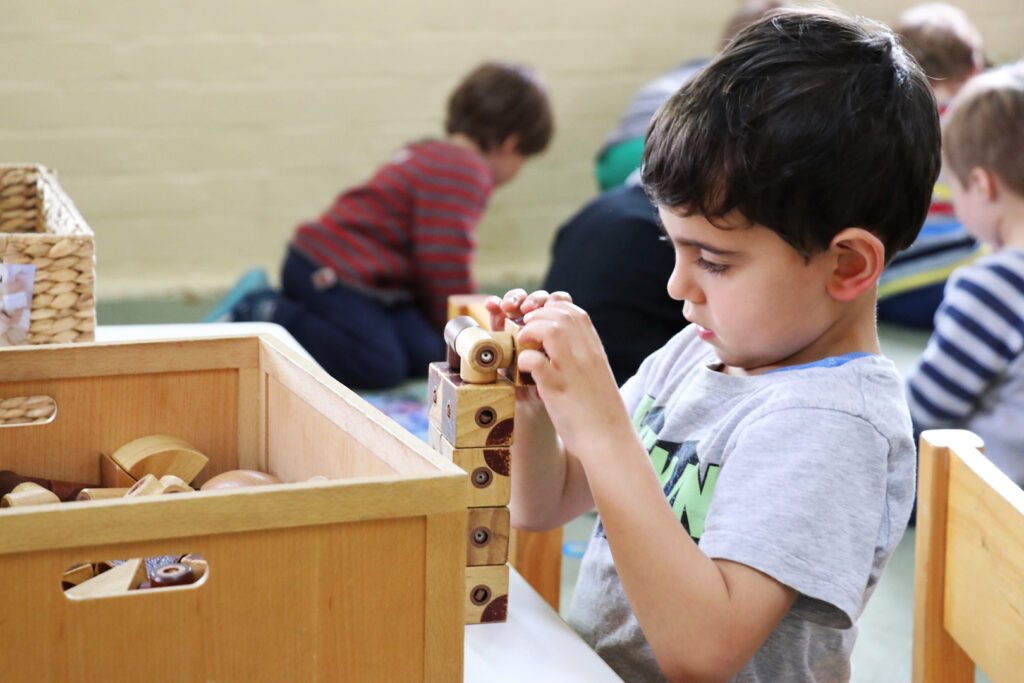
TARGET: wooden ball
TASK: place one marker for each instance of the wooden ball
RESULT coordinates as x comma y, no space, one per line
239,478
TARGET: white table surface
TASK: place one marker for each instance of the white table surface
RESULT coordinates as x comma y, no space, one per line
534,645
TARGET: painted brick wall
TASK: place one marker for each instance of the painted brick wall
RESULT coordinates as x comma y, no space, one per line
194,134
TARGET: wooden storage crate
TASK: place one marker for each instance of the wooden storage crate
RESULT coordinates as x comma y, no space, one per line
39,225
359,578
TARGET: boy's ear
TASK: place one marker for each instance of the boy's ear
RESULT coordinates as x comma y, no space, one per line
858,260
509,144
982,181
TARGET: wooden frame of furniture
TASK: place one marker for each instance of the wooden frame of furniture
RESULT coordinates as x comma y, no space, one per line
969,564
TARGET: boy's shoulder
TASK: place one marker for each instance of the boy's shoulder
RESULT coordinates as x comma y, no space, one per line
857,384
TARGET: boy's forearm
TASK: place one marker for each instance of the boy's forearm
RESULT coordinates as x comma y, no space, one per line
702,618
548,486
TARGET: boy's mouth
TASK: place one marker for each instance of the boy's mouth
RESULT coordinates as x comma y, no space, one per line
704,333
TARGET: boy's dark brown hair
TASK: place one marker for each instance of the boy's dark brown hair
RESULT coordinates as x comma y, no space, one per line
984,127
942,40
499,99
808,123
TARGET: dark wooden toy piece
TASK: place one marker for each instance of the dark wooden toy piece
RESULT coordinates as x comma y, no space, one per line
176,574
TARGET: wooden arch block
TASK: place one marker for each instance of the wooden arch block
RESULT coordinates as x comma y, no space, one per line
160,454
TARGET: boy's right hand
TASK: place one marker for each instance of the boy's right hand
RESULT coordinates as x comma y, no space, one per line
516,303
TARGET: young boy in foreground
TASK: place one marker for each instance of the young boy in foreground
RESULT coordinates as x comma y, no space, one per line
753,477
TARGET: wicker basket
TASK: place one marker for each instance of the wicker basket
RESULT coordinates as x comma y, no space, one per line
40,226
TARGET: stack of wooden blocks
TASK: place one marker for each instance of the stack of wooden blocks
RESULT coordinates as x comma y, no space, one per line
471,413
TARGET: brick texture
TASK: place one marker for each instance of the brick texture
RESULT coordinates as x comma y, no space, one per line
194,135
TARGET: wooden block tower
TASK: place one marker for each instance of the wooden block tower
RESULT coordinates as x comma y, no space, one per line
471,413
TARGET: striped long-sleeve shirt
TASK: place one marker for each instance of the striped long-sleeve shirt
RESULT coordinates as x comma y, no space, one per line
971,374
407,233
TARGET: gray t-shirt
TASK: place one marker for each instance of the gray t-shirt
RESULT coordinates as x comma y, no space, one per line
806,474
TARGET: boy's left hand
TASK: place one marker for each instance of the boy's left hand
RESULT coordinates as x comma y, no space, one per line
572,373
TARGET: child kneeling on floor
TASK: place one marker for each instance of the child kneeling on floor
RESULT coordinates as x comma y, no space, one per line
364,288
752,479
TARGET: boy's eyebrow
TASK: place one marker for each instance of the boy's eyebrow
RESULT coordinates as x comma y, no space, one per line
690,243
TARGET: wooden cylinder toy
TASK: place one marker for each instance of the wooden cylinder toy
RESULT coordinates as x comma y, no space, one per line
100,493
176,574
479,352
239,478
149,485
28,493
65,490
173,484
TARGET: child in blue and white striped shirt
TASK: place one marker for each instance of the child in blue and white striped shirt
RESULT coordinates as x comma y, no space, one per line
971,374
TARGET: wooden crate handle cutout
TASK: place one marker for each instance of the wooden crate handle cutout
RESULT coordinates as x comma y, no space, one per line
137,576
21,411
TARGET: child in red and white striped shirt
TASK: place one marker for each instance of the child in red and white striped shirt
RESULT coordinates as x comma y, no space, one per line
365,286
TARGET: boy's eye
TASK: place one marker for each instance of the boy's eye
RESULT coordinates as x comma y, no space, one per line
711,267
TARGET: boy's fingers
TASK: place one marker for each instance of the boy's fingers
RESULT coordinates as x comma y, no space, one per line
513,298
493,306
530,360
560,296
535,300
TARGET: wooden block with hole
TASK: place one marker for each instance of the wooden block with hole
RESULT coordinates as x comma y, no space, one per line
486,594
381,538
160,454
474,415
489,470
487,531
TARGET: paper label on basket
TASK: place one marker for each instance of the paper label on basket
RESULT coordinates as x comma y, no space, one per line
16,283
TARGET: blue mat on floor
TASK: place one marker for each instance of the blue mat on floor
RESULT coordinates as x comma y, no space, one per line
405,404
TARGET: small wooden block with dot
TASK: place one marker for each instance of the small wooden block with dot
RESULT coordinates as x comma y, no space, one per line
487,531
486,594
489,471
473,415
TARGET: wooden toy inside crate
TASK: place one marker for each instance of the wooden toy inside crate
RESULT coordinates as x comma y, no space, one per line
359,577
40,226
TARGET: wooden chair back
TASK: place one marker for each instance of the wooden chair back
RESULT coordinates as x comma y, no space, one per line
969,564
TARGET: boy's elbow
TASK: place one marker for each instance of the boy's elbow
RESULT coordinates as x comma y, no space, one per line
707,663
534,523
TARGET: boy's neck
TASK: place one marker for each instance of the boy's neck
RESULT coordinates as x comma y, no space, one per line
1011,219
463,140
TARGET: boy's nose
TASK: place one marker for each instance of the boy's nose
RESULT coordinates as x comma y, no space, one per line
681,286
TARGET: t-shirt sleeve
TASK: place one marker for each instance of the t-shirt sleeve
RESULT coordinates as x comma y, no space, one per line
801,497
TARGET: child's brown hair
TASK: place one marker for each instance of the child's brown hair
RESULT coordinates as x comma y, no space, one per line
497,100
942,40
984,126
